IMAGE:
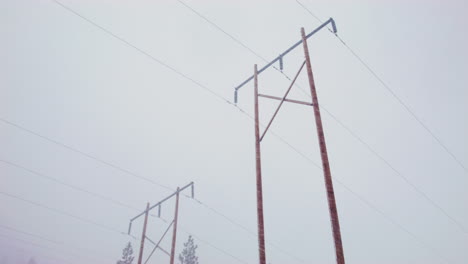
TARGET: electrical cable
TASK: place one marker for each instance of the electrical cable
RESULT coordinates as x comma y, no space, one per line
81,218
405,179
393,94
59,243
373,151
41,175
207,243
57,211
35,245
129,44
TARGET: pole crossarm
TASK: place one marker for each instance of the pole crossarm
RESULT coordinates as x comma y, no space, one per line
286,99
280,57
282,100
192,187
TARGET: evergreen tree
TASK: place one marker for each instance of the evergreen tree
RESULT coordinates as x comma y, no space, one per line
188,255
127,255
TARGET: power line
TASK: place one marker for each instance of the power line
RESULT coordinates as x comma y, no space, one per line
329,113
274,134
29,234
74,187
398,173
380,157
35,245
153,59
88,192
371,205
231,36
41,175
60,243
115,166
57,211
209,244
394,95
125,206
121,204
156,60
222,30
173,69
392,221
405,179
141,51
406,107
246,229
217,248
85,154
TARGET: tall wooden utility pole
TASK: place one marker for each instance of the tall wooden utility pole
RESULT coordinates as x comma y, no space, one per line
143,235
335,223
174,232
318,121
258,166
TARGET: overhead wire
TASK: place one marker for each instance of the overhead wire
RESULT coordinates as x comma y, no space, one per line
405,179
153,59
416,189
170,67
102,197
207,243
378,155
144,53
43,238
81,218
93,157
305,156
372,150
80,189
393,94
231,221
24,241
231,36
61,212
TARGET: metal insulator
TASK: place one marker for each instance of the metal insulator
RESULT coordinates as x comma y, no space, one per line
130,227
333,25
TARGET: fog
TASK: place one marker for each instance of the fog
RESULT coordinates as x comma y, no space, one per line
108,105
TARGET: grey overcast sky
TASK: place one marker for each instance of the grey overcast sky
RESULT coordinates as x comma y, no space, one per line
114,113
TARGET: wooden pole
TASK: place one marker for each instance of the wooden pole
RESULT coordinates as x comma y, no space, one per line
325,164
174,232
143,235
258,163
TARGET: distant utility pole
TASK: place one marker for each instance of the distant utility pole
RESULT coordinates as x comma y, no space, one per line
174,232
173,224
321,138
143,235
